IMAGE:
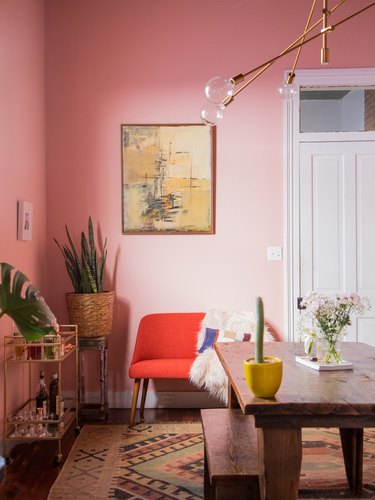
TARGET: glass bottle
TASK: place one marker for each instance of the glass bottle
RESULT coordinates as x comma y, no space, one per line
59,353
19,348
42,395
35,351
54,408
62,406
49,351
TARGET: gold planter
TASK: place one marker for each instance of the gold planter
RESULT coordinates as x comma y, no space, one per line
264,379
91,312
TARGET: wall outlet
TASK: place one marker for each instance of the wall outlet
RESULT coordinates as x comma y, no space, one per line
274,253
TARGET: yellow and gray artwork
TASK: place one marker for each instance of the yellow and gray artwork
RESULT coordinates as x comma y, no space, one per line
167,178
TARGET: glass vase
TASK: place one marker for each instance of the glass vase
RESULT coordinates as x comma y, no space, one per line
328,349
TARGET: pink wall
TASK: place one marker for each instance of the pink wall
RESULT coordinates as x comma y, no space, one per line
114,61
22,149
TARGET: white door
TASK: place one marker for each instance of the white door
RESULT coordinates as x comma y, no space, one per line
337,224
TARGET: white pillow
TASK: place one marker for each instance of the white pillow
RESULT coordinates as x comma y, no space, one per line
206,371
232,326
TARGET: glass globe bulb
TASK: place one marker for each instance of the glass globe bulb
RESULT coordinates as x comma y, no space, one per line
219,90
211,114
287,91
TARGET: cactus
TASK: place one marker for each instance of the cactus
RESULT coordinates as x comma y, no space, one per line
259,334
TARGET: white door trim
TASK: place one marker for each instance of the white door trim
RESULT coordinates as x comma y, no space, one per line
292,139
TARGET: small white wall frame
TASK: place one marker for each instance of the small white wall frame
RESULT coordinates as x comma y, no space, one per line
25,220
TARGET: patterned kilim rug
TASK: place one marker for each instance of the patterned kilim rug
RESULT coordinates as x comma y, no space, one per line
165,461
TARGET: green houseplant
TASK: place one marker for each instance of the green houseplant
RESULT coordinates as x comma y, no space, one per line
86,271
22,301
263,373
90,307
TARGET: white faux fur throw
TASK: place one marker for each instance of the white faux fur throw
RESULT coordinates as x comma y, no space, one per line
206,371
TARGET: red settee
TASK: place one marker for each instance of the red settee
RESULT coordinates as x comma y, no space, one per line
165,348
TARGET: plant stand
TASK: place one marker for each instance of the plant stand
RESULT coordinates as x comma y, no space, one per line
99,344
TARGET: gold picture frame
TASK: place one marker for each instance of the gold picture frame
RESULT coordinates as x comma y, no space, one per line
168,179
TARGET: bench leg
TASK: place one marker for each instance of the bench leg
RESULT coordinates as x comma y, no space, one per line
352,449
143,399
137,383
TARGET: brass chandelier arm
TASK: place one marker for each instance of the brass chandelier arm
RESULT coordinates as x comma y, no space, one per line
241,76
354,14
267,64
298,43
291,45
324,53
292,72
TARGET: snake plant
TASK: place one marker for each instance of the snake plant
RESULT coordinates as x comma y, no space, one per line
86,271
22,302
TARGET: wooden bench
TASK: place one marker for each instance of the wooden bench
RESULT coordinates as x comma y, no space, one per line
230,455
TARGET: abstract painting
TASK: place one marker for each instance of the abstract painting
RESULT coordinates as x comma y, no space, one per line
168,176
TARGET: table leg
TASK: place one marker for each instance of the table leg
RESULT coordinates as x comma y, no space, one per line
352,449
280,458
232,398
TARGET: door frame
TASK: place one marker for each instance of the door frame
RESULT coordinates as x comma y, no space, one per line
292,139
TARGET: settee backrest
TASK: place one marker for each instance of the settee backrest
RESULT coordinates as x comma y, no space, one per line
167,335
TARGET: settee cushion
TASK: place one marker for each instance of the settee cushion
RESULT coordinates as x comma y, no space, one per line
161,368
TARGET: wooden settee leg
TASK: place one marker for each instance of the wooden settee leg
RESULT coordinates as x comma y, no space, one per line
143,398
137,383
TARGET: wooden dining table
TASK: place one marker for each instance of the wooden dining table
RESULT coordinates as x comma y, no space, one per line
344,399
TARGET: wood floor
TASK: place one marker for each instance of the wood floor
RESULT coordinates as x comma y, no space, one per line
32,470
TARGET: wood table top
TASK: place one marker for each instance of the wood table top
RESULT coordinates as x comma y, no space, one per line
307,397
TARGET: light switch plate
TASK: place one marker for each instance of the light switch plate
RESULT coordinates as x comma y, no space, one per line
274,253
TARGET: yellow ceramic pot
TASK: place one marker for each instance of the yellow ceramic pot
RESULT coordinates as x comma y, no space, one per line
264,379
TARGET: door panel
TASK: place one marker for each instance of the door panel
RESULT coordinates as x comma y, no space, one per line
337,223
321,218
365,167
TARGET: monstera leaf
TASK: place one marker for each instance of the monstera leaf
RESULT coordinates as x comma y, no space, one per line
21,301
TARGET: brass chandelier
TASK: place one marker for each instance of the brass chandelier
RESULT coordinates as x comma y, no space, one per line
220,91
